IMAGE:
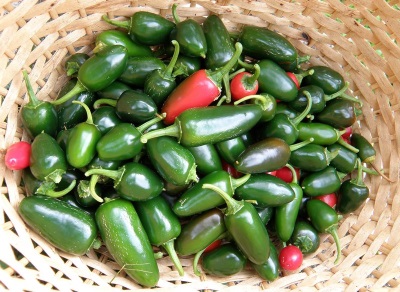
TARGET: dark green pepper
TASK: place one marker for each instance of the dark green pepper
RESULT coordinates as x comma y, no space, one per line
133,181
338,113
82,140
352,193
117,37
68,228
190,36
105,118
312,157
270,269
98,72
113,91
138,68
47,161
74,62
206,158
226,260
124,236
186,66
345,160
246,228
62,138
38,116
322,182
325,220
83,194
322,134
305,237
162,226
230,149
196,199
265,213
146,27
366,151
267,190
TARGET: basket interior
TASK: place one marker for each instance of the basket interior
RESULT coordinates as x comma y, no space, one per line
359,39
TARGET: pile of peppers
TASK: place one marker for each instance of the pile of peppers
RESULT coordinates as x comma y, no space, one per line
177,137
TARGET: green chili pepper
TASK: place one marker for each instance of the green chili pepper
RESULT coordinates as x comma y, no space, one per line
162,226
105,118
367,151
68,228
186,66
48,161
267,190
196,199
146,27
62,138
124,236
352,193
245,227
212,124
283,107
269,109
117,37
325,181
138,68
338,113
312,157
113,91
160,83
230,149
74,62
270,269
82,140
200,232
322,134
265,213
325,220
98,72
84,197
38,116
305,237
226,260
206,158
133,181
286,215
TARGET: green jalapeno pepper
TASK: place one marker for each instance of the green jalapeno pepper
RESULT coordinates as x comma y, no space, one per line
146,27
206,158
246,228
138,68
338,113
162,226
74,62
68,228
117,37
230,149
366,151
270,269
38,116
82,140
47,161
84,197
196,199
325,181
325,220
212,124
265,213
312,157
186,66
200,232
98,72
113,91
322,134
62,138
283,107
305,237
352,193
123,234
105,118
226,260
133,181
267,190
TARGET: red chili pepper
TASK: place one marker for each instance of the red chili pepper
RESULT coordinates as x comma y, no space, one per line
231,170
198,90
330,199
18,156
213,245
347,134
298,77
244,84
294,78
285,174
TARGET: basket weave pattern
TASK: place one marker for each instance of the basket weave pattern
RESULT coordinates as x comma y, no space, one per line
358,38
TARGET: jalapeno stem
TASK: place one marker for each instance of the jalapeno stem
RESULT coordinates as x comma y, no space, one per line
169,247
172,62
78,88
233,206
47,188
89,119
104,101
143,127
123,24
33,100
302,116
333,231
92,188
240,181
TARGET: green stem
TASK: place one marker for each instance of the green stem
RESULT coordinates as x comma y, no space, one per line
169,247
300,76
233,206
300,117
172,130
104,101
227,87
113,174
359,179
89,119
172,62
250,80
303,59
33,100
221,100
237,182
196,259
48,190
143,127
346,145
341,93
332,155
99,46
175,14
333,231
300,144
78,88
92,188
231,76
370,171
295,179
247,66
72,68
124,24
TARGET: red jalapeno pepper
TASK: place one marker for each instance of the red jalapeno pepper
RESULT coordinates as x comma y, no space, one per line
245,83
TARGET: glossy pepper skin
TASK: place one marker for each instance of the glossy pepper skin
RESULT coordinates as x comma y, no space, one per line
146,27
326,78
270,269
117,37
38,116
366,151
98,72
230,149
322,182
138,68
196,199
212,124
47,163
246,228
74,62
305,237
312,157
338,113
322,134
262,43
162,226
206,158
224,261
352,193
68,228
123,234
113,91
200,232
105,118
245,83
220,48
198,90
267,190
345,161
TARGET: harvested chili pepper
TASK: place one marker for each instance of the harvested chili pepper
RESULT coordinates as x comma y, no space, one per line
270,269
198,90
18,155
113,91
230,149
325,181
339,113
105,118
68,228
312,157
38,116
186,66
84,197
245,83
352,193
322,134
206,158
325,220
162,226
290,258
124,236
245,227
146,27
285,173
138,68
305,237
330,199
74,62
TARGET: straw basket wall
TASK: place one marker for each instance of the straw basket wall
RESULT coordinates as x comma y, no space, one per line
358,38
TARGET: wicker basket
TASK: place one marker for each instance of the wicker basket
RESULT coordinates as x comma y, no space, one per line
358,38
